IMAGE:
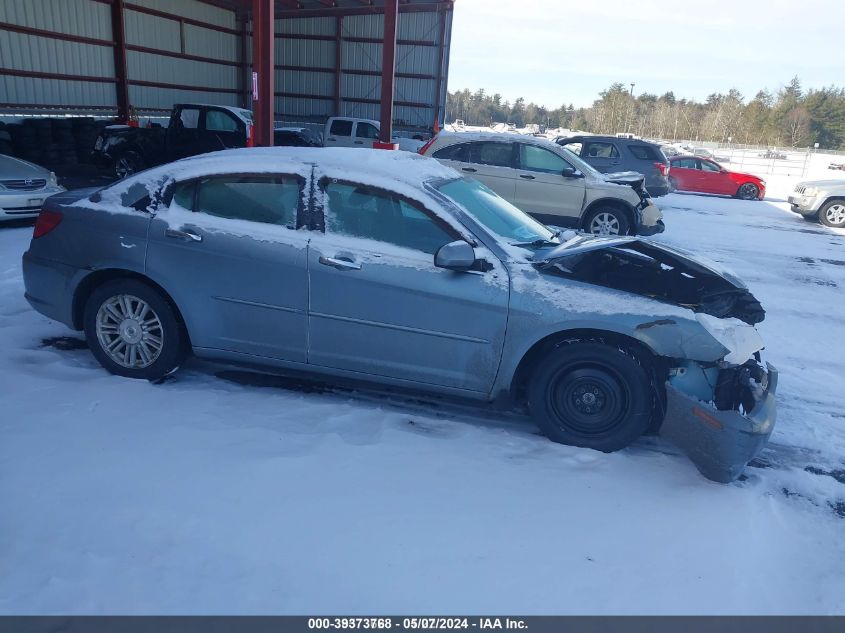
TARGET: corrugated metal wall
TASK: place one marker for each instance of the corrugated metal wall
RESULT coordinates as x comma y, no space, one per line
59,55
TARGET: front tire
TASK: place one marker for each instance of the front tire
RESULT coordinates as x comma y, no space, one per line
748,191
591,395
133,331
607,220
832,214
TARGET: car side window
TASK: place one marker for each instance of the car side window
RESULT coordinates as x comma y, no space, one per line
453,152
686,163
644,152
266,199
706,165
533,158
491,153
575,148
219,121
341,128
189,118
601,150
370,213
366,130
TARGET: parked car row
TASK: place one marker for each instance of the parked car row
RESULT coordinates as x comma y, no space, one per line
391,269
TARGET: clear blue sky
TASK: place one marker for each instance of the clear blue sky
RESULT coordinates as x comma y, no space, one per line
561,51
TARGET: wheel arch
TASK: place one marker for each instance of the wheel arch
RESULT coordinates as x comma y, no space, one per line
644,354
97,278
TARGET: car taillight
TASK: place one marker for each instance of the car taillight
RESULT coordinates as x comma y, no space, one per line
250,138
46,222
428,144
663,168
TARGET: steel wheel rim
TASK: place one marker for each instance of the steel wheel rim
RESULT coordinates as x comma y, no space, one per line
589,400
129,331
605,224
748,191
835,214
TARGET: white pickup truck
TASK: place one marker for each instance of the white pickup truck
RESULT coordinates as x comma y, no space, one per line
341,131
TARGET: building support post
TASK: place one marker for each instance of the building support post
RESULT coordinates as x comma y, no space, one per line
388,72
120,73
338,64
441,53
263,45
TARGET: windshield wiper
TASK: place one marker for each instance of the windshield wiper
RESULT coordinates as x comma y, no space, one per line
537,243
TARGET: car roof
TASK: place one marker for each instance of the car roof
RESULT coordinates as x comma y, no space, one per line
604,137
368,166
502,137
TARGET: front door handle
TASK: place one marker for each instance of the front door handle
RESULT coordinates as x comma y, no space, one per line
470,169
526,176
187,236
359,142
340,264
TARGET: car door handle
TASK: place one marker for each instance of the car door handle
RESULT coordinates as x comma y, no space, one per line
470,169
526,176
359,142
187,236
340,264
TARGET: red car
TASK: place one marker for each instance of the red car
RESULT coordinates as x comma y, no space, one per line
691,173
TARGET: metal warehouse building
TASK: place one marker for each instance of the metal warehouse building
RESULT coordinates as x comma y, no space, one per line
122,58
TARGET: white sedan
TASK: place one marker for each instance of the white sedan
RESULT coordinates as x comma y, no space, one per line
24,187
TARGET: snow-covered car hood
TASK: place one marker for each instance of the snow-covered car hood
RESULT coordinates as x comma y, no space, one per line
631,178
653,270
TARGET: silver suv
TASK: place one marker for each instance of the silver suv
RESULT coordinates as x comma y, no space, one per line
822,200
550,182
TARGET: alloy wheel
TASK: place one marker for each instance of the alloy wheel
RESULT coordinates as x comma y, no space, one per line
604,224
835,214
129,331
748,191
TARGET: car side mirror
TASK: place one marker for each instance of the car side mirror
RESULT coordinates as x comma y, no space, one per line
457,255
569,172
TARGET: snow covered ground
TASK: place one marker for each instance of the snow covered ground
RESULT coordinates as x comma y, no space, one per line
222,491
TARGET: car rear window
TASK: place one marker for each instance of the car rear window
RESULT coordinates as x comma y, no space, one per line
644,152
491,153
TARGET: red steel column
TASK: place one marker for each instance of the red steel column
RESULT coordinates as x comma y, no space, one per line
388,71
119,37
263,44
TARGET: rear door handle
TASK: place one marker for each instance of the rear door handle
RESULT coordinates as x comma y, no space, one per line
187,236
470,169
340,264
359,142
526,176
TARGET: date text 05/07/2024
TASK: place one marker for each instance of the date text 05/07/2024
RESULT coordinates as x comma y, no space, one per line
419,623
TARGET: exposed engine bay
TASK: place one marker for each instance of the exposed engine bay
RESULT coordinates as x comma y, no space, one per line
656,271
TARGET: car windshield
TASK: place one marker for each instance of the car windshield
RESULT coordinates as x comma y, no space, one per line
496,214
580,165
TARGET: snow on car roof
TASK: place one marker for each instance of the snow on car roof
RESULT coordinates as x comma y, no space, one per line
456,137
379,168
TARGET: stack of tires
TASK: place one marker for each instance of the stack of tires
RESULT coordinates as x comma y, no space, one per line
53,141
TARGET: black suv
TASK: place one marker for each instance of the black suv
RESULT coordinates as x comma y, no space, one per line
610,154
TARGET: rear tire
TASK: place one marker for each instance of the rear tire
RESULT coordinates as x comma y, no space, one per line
127,165
133,331
592,395
607,220
832,214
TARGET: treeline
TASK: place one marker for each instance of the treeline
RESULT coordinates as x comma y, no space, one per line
789,118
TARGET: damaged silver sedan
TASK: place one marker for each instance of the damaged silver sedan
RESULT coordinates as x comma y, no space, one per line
389,269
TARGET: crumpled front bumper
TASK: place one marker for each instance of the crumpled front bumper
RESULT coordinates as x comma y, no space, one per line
720,443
